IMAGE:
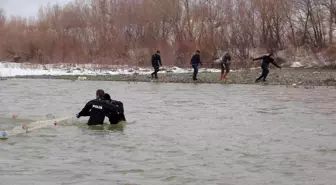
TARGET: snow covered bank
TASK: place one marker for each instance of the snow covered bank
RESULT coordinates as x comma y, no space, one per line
8,69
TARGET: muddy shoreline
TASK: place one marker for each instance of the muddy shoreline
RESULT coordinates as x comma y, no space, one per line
289,77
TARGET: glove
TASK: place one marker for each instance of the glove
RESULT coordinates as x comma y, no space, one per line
77,116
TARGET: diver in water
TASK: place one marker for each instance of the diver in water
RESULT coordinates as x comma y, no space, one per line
195,62
266,60
97,109
114,116
225,66
156,63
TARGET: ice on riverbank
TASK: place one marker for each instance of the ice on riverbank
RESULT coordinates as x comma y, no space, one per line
8,69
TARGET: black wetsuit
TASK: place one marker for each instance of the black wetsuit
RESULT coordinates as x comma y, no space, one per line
225,65
195,62
115,116
156,63
266,60
97,110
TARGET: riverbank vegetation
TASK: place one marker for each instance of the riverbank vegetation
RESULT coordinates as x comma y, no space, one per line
128,32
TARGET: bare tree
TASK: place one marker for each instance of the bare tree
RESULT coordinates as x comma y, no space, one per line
128,32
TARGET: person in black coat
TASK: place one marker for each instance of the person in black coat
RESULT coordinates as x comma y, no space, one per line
156,63
195,62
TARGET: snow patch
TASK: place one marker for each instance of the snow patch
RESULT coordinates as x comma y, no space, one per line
9,69
297,64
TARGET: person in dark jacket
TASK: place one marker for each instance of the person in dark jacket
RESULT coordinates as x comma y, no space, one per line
225,66
195,62
266,60
115,116
97,109
156,63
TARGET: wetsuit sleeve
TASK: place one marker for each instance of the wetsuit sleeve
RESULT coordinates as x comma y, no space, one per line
112,109
119,105
275,64
86,110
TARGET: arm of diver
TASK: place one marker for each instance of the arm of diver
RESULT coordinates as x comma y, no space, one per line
86,110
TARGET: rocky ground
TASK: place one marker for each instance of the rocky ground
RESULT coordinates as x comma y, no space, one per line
290,77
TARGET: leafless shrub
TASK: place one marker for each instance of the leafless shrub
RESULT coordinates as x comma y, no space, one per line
129,32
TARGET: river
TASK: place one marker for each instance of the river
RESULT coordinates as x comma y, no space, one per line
179,134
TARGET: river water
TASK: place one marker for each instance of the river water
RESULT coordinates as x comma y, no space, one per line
179,134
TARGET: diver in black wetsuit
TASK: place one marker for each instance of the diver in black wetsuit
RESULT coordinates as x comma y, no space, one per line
114,116
97,109
266,60
156,63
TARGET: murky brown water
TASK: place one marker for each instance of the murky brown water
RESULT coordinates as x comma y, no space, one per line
180,134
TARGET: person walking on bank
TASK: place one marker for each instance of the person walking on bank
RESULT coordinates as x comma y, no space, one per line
266,60
195,62
225,66
156,63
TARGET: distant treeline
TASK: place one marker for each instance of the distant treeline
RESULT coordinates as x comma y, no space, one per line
129,31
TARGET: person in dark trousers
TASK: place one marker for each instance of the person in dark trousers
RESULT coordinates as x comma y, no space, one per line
115,117
97,109
156,63
266,60
225,66
195,62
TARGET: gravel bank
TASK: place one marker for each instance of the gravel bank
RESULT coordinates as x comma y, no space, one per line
289,76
